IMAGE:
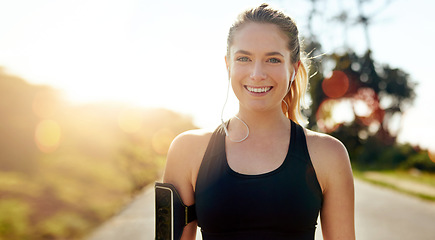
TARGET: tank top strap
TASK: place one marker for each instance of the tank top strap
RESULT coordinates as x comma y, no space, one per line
216,145
282,204
298,144
213,161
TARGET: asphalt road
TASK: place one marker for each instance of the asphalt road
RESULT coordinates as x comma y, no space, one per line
380,214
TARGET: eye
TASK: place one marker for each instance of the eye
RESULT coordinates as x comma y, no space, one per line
274,60
242,59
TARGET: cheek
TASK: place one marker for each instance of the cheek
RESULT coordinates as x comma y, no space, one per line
238,72
283,79
282,76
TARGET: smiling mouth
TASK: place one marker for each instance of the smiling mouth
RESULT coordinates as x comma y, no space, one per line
258,89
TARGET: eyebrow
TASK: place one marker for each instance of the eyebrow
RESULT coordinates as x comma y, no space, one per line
267,54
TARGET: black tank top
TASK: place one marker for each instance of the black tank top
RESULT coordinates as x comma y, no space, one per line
281,204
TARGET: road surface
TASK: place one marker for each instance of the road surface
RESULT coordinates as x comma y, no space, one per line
380,214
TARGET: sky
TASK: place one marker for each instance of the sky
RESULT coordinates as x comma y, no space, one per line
170,53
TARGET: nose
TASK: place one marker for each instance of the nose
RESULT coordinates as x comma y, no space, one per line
257,72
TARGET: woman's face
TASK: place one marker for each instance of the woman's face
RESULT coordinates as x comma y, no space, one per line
259,66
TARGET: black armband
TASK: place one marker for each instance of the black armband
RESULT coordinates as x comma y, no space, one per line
172,215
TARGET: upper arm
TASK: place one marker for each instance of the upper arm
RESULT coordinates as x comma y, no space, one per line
183,160
331,162
177,171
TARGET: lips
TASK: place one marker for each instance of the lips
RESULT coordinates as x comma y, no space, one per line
258,89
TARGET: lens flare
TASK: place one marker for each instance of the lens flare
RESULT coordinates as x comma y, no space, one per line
47,135
336,86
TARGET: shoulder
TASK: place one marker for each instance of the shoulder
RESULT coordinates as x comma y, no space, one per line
184,159
188,146
334,173
189,142
329,157
326,144
193,135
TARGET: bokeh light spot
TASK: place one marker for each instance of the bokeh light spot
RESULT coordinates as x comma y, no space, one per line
367,107
324,116
47,135
336,86
162,140
361,108
130,120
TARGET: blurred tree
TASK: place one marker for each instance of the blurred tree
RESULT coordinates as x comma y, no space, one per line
378,93
360,101
103,154
17,123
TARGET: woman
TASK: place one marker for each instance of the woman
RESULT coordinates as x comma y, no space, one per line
261,175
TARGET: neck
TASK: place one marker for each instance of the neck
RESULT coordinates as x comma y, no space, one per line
263,122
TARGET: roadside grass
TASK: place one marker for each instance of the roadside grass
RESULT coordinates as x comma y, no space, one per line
412,182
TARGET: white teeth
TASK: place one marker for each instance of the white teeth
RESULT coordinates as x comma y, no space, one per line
258,90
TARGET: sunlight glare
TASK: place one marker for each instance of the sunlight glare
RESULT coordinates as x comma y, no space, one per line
44,104
162,140
130,120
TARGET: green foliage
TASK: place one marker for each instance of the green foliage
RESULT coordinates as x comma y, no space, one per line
105,154
376,153
386,92
391,86
62,225
373,154
420,161
13,182
14,219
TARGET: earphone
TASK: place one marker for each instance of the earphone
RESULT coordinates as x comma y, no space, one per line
291,81
293,77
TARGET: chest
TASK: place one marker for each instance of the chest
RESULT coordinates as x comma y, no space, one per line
256,157
285,199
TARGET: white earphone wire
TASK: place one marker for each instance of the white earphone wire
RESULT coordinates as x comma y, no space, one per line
223,123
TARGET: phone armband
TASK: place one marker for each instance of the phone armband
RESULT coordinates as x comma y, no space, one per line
172,215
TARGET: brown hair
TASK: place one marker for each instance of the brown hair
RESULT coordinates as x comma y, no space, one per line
265,14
